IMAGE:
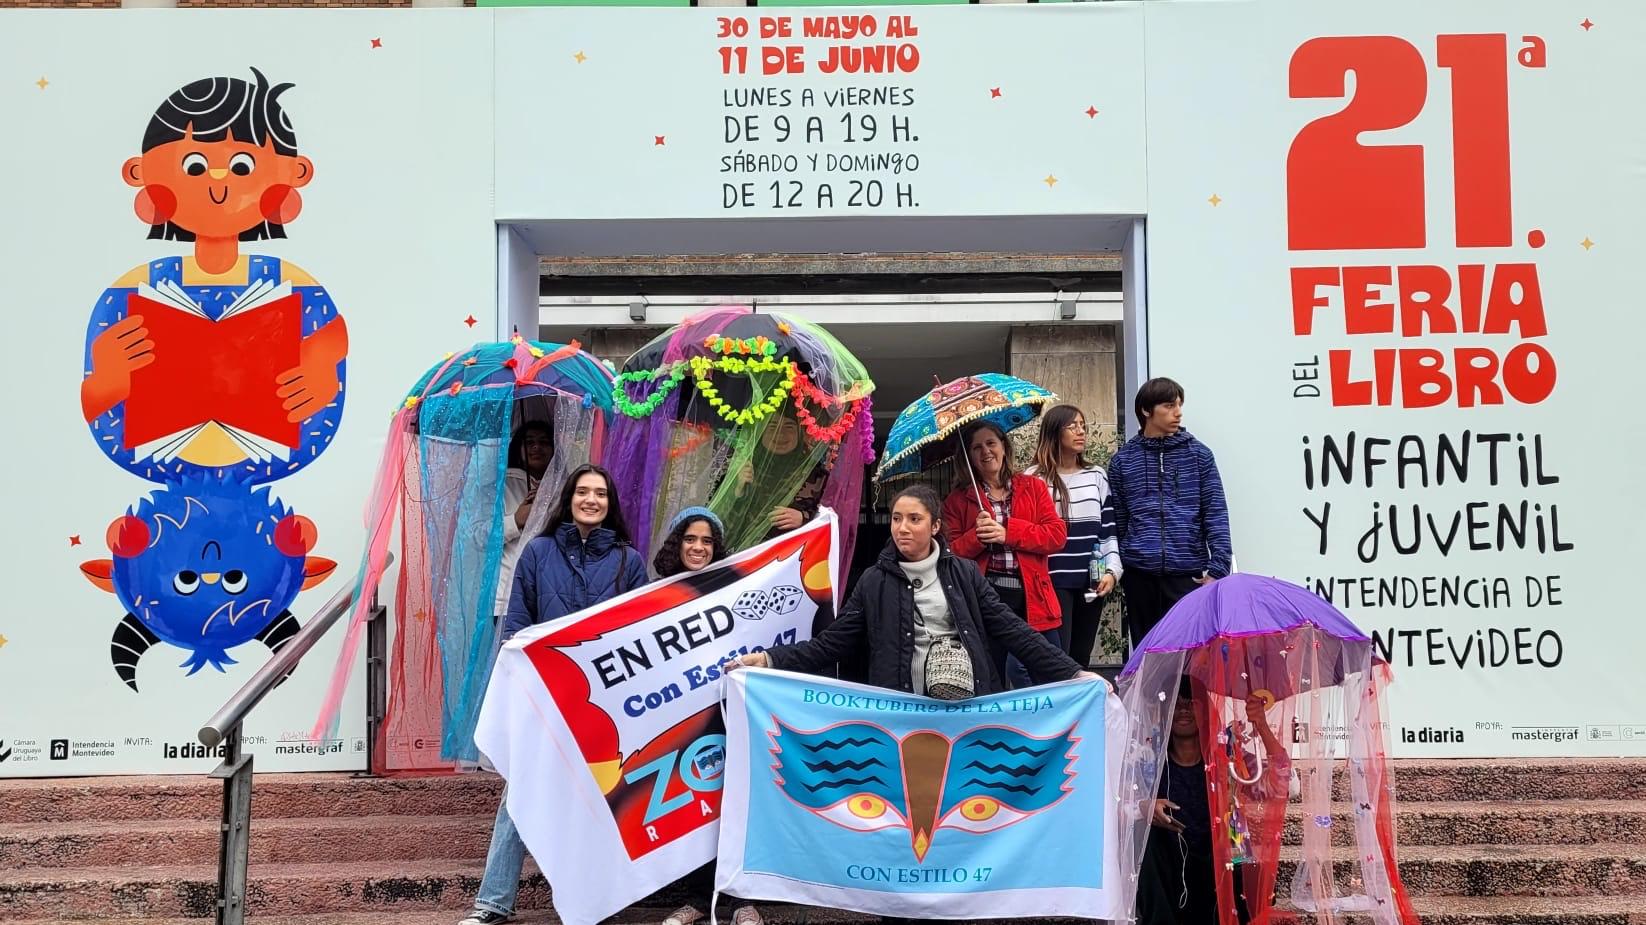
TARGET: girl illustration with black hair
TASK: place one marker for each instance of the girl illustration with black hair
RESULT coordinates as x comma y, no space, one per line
216,362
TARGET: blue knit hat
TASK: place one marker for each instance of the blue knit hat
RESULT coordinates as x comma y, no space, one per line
694,512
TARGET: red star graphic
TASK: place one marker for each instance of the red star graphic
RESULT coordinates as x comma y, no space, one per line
471,321
74,540
1091,112
377,43
1586,24
657,140
994,93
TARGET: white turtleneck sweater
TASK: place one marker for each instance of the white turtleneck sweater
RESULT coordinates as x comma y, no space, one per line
932,618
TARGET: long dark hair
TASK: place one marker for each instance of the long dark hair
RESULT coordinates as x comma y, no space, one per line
1048,452
562,511
962,478
667,561
517,443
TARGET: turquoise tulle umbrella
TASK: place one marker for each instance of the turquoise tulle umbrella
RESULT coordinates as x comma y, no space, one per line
924,433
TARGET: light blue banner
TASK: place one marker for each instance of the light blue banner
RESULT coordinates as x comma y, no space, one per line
859,789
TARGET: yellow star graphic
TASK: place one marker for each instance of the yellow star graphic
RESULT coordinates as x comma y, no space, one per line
580,57
41,83
3,641
1586,243
1050,181
1215,200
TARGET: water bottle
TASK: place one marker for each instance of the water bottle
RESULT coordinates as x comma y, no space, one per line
1094,575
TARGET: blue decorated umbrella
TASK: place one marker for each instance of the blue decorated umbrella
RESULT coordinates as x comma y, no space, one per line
443,481
923,434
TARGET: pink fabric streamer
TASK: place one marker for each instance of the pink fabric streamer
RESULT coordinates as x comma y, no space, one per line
381,506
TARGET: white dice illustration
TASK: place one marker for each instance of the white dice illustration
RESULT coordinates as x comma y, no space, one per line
784,600
751,605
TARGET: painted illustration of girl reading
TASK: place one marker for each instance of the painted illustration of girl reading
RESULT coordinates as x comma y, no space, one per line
217,362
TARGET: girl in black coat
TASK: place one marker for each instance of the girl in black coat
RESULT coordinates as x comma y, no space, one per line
917,592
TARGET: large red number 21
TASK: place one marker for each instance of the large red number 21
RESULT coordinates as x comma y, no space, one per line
1343,195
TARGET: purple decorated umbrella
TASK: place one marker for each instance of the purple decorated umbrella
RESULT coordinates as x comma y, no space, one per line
1266,678
1242,635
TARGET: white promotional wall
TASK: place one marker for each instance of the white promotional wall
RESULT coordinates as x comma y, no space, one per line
1392,252
1388,252
785,113
386,215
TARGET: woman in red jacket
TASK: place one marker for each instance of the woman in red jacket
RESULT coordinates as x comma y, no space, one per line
1008,525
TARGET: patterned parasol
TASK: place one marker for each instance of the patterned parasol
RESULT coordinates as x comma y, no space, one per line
920,437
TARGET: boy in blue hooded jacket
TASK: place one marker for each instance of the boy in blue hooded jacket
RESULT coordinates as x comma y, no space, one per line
1170,513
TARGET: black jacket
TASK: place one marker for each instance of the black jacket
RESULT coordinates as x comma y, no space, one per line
879,618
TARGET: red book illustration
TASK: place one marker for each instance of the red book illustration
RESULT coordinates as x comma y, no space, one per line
219,372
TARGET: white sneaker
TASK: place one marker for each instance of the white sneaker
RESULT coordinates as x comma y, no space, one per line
685,915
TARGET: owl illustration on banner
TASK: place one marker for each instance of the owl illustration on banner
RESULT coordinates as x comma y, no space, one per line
859,776
205,566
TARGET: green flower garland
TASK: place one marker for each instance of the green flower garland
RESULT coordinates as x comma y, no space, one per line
671,376
701,367
738,366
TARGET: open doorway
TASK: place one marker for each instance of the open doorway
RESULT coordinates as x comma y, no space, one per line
908,343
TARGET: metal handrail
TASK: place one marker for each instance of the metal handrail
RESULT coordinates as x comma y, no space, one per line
222,732
250,694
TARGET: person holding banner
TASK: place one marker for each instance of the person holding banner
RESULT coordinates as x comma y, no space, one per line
1007,524
926,619
695,541
582,558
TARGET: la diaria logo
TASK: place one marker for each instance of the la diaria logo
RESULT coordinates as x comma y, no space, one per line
1430,735
189,750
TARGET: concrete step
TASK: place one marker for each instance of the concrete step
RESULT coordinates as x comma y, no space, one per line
1433,910
176,797
274,841
190,891
464,837
1513,779
1498,871
1530,910
1545,822
1597,870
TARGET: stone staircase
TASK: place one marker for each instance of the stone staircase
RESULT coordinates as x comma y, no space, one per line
1482,843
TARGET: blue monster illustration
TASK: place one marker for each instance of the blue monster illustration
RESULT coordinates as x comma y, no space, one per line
206,565
857,775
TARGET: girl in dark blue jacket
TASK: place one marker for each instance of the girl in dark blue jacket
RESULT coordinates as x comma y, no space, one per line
584,557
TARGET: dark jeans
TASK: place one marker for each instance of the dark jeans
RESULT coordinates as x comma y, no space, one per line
699,886
1178,888
1149,596
1081,619
1017,674
1015,602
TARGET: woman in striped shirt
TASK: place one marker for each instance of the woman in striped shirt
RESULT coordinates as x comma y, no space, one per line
1081,494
